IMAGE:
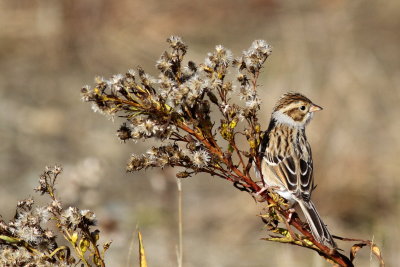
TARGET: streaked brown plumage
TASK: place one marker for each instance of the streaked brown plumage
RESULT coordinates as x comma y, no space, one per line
287,164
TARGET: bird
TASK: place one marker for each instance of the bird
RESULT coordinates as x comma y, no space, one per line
286,159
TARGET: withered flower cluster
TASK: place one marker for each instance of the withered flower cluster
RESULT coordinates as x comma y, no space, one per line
176,107
200,111
29,239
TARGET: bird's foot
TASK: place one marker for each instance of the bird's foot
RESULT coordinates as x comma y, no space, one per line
291,211
258,195
265,188
262,190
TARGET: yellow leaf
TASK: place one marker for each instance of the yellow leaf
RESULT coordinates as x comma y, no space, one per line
60,251
252,143
9,239
84,244
74,237
378,254
376,250
207,69
354,249
142,256
233,123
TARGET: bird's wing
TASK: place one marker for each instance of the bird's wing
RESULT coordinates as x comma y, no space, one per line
295,173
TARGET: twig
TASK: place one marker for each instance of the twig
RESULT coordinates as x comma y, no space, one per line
179,251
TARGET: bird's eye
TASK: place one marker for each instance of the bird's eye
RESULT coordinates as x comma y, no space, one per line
303,108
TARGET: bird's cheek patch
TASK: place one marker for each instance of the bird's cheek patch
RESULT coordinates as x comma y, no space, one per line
295,114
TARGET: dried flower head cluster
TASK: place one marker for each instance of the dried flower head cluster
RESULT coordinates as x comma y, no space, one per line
199,113
29,239
178,104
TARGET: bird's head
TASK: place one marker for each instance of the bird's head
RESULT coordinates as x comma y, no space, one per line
294,109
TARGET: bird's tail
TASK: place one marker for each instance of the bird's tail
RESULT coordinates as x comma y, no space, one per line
318,228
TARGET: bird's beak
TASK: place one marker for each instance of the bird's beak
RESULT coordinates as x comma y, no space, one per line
315,108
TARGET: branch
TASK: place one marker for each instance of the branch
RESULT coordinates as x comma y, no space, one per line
176,102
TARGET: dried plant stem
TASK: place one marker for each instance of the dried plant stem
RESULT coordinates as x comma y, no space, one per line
179,251
130,251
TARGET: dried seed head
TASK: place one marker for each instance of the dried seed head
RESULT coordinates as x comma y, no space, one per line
201,158
124,132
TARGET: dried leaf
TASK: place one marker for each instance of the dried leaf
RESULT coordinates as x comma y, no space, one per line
9,239
374,249
284,238
106,246
95,235
97,260
354,249
182,174
142,256
378,254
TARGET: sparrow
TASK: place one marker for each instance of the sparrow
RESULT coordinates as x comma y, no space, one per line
286,159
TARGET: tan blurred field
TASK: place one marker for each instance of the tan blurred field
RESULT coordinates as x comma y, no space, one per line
344,55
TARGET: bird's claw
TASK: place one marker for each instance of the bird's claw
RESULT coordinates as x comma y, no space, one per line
262,190
291,211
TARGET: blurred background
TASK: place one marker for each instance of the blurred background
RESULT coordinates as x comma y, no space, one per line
344,55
